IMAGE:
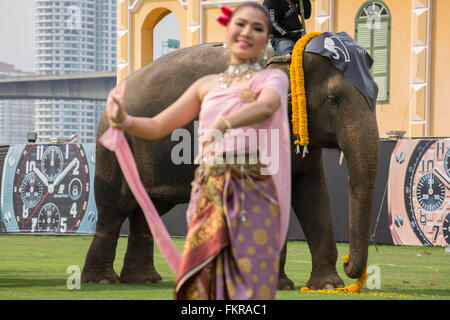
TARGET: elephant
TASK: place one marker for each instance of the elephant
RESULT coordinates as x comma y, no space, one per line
339,117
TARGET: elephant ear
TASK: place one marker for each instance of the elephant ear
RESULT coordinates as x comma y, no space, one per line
350,58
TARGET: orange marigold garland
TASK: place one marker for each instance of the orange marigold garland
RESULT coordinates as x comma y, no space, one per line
356,287
352,288
299,115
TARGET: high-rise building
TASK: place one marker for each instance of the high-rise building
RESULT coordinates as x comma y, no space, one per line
73,36
106,31
16,116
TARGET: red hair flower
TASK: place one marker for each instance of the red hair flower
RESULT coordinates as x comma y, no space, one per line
223,20
226,11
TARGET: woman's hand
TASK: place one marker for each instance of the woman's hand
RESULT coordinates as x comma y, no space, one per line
115,105
212,139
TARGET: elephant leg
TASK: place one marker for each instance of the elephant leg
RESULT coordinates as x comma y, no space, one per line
284,283
98,267
138,264
311,206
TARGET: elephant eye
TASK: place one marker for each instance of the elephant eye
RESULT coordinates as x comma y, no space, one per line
334,101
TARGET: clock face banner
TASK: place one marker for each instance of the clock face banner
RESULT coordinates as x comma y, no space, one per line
48,189
419,192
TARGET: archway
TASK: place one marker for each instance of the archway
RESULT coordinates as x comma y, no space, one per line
147,39
166,36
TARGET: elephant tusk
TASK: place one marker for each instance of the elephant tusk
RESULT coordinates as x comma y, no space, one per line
341,159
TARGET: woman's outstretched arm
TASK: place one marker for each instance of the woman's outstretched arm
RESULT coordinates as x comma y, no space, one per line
185,109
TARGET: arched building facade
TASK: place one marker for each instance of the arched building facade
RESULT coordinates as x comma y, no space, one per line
408,40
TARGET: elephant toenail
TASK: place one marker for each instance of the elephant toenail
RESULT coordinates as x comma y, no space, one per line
328,286
105,281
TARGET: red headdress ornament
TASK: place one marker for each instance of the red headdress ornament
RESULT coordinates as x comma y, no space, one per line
223,20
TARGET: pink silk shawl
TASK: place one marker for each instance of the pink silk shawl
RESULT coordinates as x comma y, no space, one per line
218,102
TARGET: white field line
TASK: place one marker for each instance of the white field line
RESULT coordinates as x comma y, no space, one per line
383,264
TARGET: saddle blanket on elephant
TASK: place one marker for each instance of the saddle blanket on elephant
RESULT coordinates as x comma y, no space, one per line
348,56
232,246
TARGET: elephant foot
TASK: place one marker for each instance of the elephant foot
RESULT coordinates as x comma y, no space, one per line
136,275
284,283
104,276
325,281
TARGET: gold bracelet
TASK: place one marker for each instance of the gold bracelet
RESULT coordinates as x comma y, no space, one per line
226,122
118,124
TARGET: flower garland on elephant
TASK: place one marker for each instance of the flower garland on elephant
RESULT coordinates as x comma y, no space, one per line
300,129
298,93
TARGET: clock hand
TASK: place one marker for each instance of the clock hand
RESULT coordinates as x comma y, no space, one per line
37,207
41,176
440,214
65,172
32,184
446,180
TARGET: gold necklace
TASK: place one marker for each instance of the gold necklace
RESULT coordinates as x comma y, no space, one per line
238,71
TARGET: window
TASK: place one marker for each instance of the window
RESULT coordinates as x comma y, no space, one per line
373,32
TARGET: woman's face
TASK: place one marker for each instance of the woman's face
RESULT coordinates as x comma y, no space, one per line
247,34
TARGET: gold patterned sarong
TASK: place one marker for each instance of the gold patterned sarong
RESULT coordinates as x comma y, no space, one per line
231,249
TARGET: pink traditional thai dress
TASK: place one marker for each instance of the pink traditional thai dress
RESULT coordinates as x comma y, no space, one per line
238,213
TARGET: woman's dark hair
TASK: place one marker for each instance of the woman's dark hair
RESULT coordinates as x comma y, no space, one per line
258,6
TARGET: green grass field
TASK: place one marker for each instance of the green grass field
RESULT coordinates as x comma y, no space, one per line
34,268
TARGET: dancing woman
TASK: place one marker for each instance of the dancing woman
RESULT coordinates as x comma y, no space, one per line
240,200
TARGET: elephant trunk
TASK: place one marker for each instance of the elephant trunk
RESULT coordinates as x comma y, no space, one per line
359,140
